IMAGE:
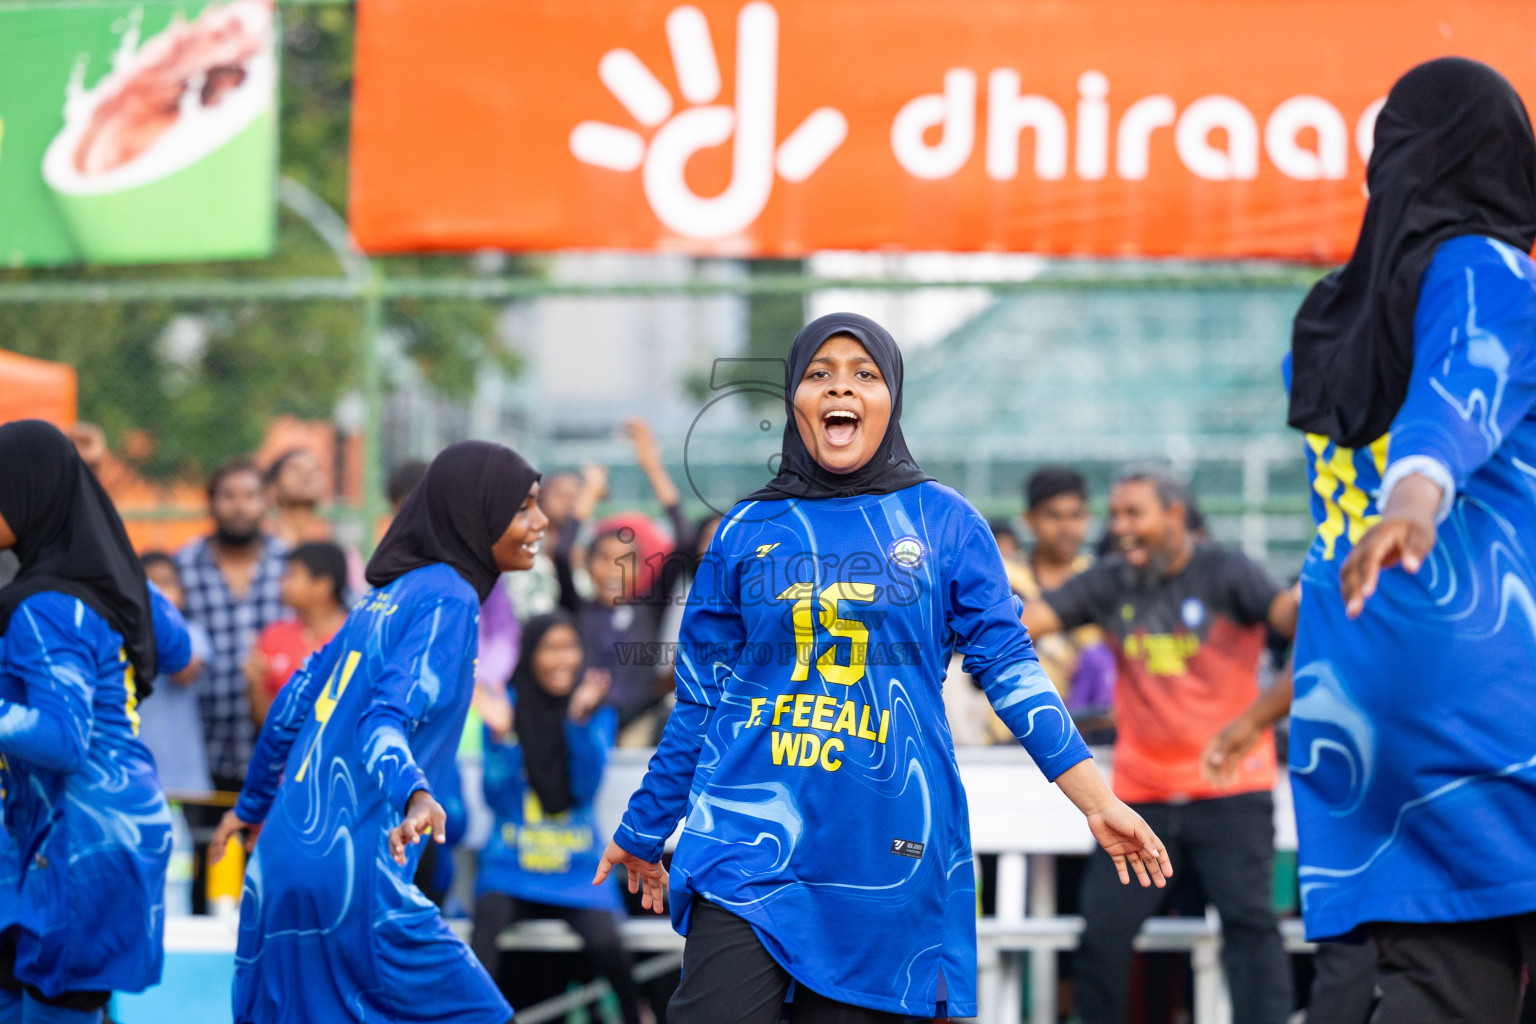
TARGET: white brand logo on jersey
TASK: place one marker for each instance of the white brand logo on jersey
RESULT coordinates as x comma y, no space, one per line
907,553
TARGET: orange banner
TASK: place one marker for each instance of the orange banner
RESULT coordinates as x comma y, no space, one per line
1208,128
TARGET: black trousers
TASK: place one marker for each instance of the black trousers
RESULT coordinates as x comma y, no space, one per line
598,930
1466,972
1343,984
729,978
1228,843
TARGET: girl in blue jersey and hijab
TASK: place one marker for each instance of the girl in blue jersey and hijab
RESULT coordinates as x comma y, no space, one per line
1413,757
88,831
331,927
826,840
541,782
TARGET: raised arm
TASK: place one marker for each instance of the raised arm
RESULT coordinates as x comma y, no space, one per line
648,458
594,484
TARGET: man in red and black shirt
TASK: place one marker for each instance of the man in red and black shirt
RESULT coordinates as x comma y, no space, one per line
1187,624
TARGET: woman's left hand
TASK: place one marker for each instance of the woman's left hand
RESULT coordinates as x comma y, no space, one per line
1130,842
423,816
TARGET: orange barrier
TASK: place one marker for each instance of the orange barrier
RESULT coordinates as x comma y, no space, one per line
35,389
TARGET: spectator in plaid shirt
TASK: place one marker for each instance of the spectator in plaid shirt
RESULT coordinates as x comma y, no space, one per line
232,586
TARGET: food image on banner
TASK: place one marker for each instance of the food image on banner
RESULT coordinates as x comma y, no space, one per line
138,132
1194,128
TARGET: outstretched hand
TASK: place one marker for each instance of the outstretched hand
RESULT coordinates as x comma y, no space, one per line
642,874
1131,844
424,816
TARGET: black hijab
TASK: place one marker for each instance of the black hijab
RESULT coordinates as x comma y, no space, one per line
456,515
892,466
539,719
70,539
1454,155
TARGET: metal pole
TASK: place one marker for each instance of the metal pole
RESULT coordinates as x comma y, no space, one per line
509,289
372,385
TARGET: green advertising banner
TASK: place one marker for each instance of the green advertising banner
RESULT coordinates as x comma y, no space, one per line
137,132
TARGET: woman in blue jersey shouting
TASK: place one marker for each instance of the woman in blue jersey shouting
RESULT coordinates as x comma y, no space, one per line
826,839
87,829
331,927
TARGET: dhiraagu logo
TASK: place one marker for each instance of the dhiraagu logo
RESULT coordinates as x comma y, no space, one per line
704,122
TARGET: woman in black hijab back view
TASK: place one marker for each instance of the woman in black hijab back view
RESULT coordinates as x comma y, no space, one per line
331,926
87,829
1414,377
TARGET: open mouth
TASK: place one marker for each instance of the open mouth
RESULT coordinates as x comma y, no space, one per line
839,426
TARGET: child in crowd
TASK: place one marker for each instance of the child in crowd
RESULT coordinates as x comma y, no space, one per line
314,588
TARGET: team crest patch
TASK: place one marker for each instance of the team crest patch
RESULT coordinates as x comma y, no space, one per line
907,552
1193,612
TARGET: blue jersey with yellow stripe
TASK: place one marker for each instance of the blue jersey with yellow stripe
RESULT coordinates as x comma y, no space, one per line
331,928
88,831
1412,759
810,746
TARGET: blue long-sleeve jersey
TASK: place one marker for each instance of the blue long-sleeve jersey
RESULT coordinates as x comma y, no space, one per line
809,746
540,857
1411,751
331,928
88,832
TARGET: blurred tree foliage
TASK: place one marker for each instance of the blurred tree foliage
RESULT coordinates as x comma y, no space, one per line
201,380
